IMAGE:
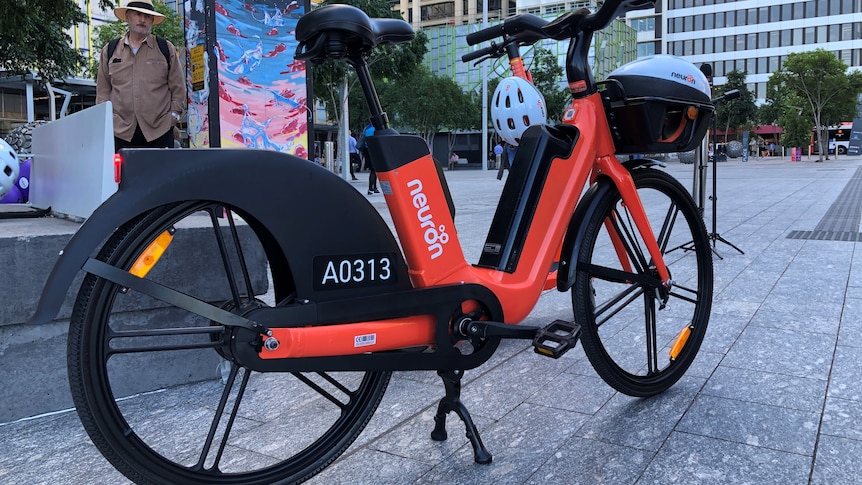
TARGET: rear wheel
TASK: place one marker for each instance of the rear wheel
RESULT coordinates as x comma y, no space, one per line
155,386
641,339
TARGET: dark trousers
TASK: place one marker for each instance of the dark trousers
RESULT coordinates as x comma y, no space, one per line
372,180
354,159
138,141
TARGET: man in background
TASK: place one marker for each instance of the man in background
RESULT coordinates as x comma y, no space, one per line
146,87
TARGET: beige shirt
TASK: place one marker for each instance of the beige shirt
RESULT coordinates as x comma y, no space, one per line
141,88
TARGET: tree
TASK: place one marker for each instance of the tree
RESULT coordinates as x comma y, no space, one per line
737,113
33,37
385,63
171,29
788,111
428,104
547,74
820,80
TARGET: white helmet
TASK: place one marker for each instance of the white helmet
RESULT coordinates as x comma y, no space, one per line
9,167
516,105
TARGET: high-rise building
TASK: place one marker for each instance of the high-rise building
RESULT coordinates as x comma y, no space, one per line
611,48
755,36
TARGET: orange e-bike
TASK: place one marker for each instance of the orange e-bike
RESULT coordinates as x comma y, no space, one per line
241,311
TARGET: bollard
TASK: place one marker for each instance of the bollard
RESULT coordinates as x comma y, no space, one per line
327,155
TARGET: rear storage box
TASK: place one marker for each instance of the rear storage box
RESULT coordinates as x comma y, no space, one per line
659,104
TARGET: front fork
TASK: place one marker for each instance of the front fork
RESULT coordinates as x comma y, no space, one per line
624,182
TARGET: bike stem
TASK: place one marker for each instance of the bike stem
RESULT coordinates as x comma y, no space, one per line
516,62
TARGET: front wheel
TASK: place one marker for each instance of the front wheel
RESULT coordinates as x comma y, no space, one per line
155,385
639,338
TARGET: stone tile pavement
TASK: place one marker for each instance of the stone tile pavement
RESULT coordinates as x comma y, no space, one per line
773,397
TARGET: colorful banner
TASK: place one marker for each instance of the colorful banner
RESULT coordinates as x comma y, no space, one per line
262,94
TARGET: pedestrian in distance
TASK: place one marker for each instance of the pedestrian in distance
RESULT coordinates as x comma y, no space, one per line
362,146
453,160
505,160
141,76
354,154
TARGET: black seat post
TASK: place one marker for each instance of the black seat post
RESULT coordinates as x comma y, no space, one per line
378,117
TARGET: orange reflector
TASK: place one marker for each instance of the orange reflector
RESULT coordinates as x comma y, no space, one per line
151,255
679,343
691,113
118,162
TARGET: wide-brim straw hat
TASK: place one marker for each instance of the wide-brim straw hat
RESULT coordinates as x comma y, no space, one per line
143,6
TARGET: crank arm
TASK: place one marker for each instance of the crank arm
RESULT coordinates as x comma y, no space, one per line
485,329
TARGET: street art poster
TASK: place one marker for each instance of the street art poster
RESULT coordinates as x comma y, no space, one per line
198,75
262,96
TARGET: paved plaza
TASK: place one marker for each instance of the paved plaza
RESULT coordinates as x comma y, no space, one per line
773,397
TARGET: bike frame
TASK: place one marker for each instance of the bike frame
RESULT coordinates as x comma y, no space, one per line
419,206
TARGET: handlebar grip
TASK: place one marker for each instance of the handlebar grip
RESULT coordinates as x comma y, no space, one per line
477,54
486,34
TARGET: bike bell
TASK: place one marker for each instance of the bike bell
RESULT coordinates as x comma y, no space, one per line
516,106
9,167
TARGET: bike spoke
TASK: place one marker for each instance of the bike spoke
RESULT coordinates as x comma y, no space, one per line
630,294
122,341
323,392
230,272
651,335
217,418
691,299
667,227
624,228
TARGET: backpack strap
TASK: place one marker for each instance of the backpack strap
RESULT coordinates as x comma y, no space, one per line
112,46
163,46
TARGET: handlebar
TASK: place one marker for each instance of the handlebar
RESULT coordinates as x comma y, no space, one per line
529,29
486,34
569,24
524,28
493,50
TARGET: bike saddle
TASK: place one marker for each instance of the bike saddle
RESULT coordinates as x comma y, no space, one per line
335,31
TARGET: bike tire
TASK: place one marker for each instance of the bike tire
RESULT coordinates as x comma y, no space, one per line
620,319
156,424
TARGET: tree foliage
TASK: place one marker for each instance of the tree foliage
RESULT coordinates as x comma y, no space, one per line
33,37
171,29
547,74
739,113
820,81
386,63
428,103
788,111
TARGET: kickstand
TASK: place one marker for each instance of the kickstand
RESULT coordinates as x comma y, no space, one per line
452,402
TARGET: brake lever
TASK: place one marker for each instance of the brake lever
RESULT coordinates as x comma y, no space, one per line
483,59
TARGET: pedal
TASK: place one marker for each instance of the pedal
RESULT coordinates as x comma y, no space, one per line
556,338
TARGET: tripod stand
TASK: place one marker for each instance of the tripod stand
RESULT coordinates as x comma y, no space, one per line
699,184
714,235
